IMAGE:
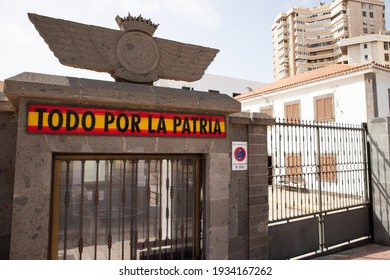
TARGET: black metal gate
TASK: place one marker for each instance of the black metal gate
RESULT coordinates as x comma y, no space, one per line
319,195
126,207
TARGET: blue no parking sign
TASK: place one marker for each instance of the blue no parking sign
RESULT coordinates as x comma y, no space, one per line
239,156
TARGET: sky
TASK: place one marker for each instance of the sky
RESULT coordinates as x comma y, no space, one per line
240,29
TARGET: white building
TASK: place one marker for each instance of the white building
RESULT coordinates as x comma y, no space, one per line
364,49
313,157
339,93
214,83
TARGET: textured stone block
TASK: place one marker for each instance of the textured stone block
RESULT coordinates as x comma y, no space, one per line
8,131
217,243
219,213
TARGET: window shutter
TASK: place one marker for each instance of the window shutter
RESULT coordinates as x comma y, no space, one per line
323,108
328,114
291,111
295,109
267,111
319,109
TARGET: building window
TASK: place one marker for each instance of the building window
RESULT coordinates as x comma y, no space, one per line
371,15
266,110
365,46
364,13
292,111
328,167
323,108
386,57
386,45
365,30
293,165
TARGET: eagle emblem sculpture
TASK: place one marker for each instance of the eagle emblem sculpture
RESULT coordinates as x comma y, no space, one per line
130,54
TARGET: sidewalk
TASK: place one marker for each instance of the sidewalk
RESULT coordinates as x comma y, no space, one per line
368,251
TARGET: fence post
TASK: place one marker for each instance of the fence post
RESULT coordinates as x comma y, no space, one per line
320,217
368,176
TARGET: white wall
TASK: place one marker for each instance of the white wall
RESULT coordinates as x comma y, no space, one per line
348,92
383,86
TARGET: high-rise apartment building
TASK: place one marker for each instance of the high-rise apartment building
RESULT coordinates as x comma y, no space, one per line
305,39
364,49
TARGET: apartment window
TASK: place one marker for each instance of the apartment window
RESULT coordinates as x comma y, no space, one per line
266,110
363,5
364,13
365,30
386,57
386,45
292,111
371,14
365,46
323,108
366,57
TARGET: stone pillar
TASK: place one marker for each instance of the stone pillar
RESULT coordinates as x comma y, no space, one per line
371,95
248,213
379,143
217,208
8,131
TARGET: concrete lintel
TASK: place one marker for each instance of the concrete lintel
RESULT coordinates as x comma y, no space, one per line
379,120
128,95
5,105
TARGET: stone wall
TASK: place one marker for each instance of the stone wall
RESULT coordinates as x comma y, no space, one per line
34,159
8,131
236,202
379,143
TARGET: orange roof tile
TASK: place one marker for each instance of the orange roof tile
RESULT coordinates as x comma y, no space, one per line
327,72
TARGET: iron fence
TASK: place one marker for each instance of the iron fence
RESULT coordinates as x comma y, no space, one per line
315,168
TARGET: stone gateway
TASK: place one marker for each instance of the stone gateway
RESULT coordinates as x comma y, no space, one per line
124,169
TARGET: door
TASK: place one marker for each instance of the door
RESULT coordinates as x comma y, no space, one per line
126,207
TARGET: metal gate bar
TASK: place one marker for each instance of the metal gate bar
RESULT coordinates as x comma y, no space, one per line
315,167
317,172
126,207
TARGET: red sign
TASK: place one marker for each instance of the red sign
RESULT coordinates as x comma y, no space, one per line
52,119
240,154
